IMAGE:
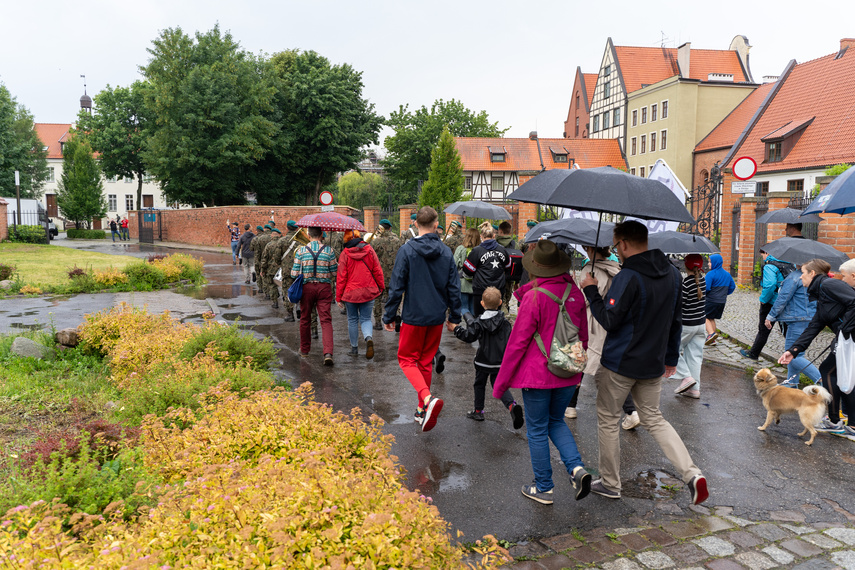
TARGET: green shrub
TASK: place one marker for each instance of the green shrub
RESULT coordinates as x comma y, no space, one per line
7,271
27,234
145,276
240,345
191,267
86,234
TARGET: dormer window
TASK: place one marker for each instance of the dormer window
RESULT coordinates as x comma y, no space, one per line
781,141
560,154
773,151
497,154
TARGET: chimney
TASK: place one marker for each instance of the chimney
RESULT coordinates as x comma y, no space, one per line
683,53
845,44
532,135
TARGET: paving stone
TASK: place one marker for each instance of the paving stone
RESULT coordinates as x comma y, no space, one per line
801,548
816,564
845,558
686,553
655,559
586,555
669,507
778,555
700,509
608,547
658,536
623,531
787,516
742,539
713,524
635,541
682,529
770,532
724,564
739,521
846,535
561,542
621,564
531,549
715,546
798,529
527,565
755,561
556,562
723,511
822,541
596,533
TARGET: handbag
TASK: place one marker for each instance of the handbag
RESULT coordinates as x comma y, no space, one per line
295,291
845,356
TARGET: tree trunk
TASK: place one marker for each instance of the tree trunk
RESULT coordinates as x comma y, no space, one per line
317,193
139,190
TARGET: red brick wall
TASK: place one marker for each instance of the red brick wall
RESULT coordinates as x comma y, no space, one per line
703,161
4,222
372,218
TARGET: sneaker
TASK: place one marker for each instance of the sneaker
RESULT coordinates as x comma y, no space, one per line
696,394
698,489
440,362
477,415
598,488
433,406
790,385
581,480
328,361
685,385
369,348
711,339
846,432
419,417
354,351
378,326
630,421
289,319
570,413
543,497
747,354
828,427
517,415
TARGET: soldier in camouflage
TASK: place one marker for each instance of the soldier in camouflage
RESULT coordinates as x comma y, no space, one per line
278,248
258,245
386,246
287,247
411,231
267,268
454,239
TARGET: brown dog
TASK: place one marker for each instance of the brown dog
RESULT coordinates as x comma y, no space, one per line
809,403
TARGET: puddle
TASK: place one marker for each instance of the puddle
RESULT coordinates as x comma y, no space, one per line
214,291
445,476
32,327
652,485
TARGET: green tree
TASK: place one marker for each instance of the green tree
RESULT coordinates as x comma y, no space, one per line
118,132
80,190
445,180
210,102
20,149
360,189
409,150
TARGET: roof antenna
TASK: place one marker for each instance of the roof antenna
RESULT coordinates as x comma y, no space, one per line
664,39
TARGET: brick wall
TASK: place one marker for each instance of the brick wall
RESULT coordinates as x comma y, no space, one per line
703,161
4,221
372,218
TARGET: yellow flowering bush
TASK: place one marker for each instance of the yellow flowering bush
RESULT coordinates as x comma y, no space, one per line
172,271
30,290
110,278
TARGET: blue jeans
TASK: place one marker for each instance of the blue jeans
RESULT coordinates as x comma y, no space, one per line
466,302
114,233
544,421
800,364
234,249
359,315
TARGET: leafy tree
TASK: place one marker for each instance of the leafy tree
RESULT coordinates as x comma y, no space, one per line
20,149
118,132
445,181
210,101
409,150
80,190
360,189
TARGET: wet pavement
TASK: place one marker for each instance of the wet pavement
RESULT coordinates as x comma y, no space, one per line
473,471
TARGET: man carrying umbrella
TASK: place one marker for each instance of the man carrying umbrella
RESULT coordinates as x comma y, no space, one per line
317,263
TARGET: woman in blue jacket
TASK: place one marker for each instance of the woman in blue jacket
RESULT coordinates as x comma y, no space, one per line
719,285
795,310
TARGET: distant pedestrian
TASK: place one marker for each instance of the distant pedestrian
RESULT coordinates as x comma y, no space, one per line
258,245
471,240
234,236
426,277
719,285
773,275
454,237
492,331
359,282
125,234
246,253
386,247
794,309
524,366
693,333
114,231
317,264
487,264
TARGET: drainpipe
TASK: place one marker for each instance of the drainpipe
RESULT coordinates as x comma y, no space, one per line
533,136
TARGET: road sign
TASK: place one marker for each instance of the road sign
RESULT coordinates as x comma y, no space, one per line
743,187
326,198
744,167
329,208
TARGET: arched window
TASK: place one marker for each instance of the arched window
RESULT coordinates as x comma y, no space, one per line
577,126
577,99
705,176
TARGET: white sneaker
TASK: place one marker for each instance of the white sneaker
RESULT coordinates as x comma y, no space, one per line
685,385
570,413
631,421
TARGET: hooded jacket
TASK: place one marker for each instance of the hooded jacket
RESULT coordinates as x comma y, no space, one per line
835,308
605,271
507,242
642,315
425,271
719,282
487,264
359,278
792,303
244,245
492,332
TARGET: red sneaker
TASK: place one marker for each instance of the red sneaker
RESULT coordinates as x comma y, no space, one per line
698,489
432,409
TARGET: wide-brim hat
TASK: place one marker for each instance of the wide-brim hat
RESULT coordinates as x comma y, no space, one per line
546,260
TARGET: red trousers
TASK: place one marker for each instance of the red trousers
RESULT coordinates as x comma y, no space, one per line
316,295
416,349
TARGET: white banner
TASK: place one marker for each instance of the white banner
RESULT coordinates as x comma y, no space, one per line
666,176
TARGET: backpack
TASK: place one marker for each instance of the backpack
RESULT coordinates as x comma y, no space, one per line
516,269
784,267
295,291
566,355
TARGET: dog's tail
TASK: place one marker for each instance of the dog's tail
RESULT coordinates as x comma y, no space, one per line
818,391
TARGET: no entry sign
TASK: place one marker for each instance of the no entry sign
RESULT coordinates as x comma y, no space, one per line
326,198
744,167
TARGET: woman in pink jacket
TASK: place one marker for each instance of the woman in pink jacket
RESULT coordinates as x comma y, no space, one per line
545,396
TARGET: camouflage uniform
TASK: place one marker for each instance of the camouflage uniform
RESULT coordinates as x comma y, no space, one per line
285,262
258,244
277,249
407,235
386,246
268,269
455,240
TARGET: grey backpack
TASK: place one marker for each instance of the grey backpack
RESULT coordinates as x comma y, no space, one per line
566,356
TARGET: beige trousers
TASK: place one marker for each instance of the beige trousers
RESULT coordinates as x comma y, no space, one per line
612,389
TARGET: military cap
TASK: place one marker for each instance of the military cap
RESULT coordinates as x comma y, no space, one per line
385,222
439,226
291,225
531,223
455,223
272,224
259,228
495,227
277,231
413,216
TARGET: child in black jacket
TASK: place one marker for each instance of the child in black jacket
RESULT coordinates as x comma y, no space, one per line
492,331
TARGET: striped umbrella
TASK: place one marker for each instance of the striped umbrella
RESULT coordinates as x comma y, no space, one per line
330,221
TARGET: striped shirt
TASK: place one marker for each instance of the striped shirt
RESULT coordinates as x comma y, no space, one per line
235,233
694,312
304,263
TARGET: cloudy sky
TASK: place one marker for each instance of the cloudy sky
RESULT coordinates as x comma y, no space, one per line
514,59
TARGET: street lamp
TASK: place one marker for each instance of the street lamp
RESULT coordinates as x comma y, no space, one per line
18,194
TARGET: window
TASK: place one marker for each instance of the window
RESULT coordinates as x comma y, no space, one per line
497,183
607,70
129,202
773,151
51,177
148,201
559,157
111,203
607,89
577,100
796,185
632,146
148,178
641,172
596,123
653,142
606,120
643,115
467,183
635,117
643,144
128,180
497,157
577,126
664,109
616,117
632,171
111,179
662,140
762,188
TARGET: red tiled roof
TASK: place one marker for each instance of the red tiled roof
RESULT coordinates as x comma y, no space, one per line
51,134
590,80
642,66
522,154
823,88
726,133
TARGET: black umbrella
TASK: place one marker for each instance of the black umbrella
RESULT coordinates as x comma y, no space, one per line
680,243
579,231
478,209
799,251
837,198
787,216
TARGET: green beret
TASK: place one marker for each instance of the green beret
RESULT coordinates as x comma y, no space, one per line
439,226
455,223
413,216
385,222
495,227
260,228
324,235
277,231
267,227
292,224
272,223
531,223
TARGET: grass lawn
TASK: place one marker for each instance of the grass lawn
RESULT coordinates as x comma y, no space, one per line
48,265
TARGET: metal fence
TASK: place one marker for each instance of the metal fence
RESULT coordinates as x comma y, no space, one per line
38,218
809,230
760,238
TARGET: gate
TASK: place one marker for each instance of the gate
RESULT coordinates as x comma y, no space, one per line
809,230
734,244
760,238
705,206
147,221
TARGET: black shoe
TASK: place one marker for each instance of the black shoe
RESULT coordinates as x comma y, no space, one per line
344,310
378,326
266,297
517,415
328,360
246,282
275,303
369,348
747,354
581,480
314,335
253,277
354,351
240,261
440,362
299,312
289,319
476,415
698,489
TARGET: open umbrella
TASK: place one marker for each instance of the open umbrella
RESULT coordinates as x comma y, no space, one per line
837,198
799,251
330,221
787,216
478,209
579,231
680,243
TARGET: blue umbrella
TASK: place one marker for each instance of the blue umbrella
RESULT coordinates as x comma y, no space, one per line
837,198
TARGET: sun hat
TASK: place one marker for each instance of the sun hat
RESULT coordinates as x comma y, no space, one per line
546,260
693,261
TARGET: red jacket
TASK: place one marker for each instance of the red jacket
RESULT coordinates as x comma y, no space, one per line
359,278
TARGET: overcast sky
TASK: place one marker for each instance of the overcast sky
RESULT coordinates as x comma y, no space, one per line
514,59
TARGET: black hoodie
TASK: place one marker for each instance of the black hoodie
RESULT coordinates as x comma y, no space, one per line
492,332
642,316
835,308
487,264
